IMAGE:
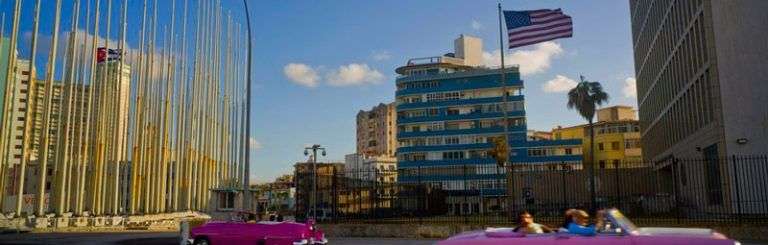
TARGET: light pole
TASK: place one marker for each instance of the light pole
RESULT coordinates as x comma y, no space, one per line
313,198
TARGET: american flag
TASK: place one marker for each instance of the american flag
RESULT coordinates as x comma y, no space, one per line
535,26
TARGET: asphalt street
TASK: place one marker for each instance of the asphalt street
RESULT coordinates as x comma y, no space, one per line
157,238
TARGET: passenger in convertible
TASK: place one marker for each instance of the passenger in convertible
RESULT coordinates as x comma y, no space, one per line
577,222
526,224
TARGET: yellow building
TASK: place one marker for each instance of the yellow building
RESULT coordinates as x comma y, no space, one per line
617,137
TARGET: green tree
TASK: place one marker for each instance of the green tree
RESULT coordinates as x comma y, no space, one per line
585,98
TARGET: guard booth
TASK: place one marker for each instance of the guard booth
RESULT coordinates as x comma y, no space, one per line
225,201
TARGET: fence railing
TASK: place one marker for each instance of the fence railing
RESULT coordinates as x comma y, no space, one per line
732,189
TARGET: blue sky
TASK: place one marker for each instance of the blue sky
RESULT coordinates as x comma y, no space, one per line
343,56
327,35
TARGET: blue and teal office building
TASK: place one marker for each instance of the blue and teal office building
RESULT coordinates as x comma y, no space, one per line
449,109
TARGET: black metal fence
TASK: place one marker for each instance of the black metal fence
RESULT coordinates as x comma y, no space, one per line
732,189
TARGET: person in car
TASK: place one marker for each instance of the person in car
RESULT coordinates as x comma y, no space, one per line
526,224
577,222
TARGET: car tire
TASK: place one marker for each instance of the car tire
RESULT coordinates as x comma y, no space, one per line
202,241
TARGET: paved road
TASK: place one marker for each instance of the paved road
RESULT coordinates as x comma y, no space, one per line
157,238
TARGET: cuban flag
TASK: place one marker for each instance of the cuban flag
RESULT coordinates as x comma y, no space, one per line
535,26
102,54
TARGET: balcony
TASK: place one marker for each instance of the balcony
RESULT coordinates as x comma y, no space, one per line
476,71
434,60
469,116
401,135
471,101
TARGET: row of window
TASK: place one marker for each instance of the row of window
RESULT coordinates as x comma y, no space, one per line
691,112
459,95
655,23
444,140
463,110
443,155
412,85
674,76
456,125
616,145
613,128
554,151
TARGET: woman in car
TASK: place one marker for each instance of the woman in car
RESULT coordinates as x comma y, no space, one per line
526,224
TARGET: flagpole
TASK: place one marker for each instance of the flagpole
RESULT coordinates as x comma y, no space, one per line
505,109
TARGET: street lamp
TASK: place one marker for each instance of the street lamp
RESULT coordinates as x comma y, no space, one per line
313,198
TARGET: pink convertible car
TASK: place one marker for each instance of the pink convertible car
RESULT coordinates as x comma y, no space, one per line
618,231
262,233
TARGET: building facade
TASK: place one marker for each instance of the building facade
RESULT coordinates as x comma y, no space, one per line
449,110
700,67
376,131
327,175
617,138
382,169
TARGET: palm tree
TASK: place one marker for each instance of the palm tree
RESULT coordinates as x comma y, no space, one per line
585,98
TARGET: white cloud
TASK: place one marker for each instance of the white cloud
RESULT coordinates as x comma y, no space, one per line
559,84
301,74
254,144
630,88
83,43
476,25
354,74
531,61
380,55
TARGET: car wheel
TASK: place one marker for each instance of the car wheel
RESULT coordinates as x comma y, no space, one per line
202,241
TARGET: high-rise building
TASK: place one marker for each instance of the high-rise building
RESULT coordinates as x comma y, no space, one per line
617,137
449,111
700,68
111,103
376,131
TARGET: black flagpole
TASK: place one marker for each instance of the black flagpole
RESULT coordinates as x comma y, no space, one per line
505,94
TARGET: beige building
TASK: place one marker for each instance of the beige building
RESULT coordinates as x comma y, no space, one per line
376,131
466,47
617,138
700,68
115,100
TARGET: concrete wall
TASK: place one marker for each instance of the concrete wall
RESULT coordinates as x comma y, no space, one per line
742,55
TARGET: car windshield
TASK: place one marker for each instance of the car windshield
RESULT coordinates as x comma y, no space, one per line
617,222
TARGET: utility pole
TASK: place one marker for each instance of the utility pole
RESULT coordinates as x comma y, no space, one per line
313,198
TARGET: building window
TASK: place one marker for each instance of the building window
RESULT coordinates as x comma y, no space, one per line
433,111
452,140
602,164
453,155
226,200
568,151
600,146
615,145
